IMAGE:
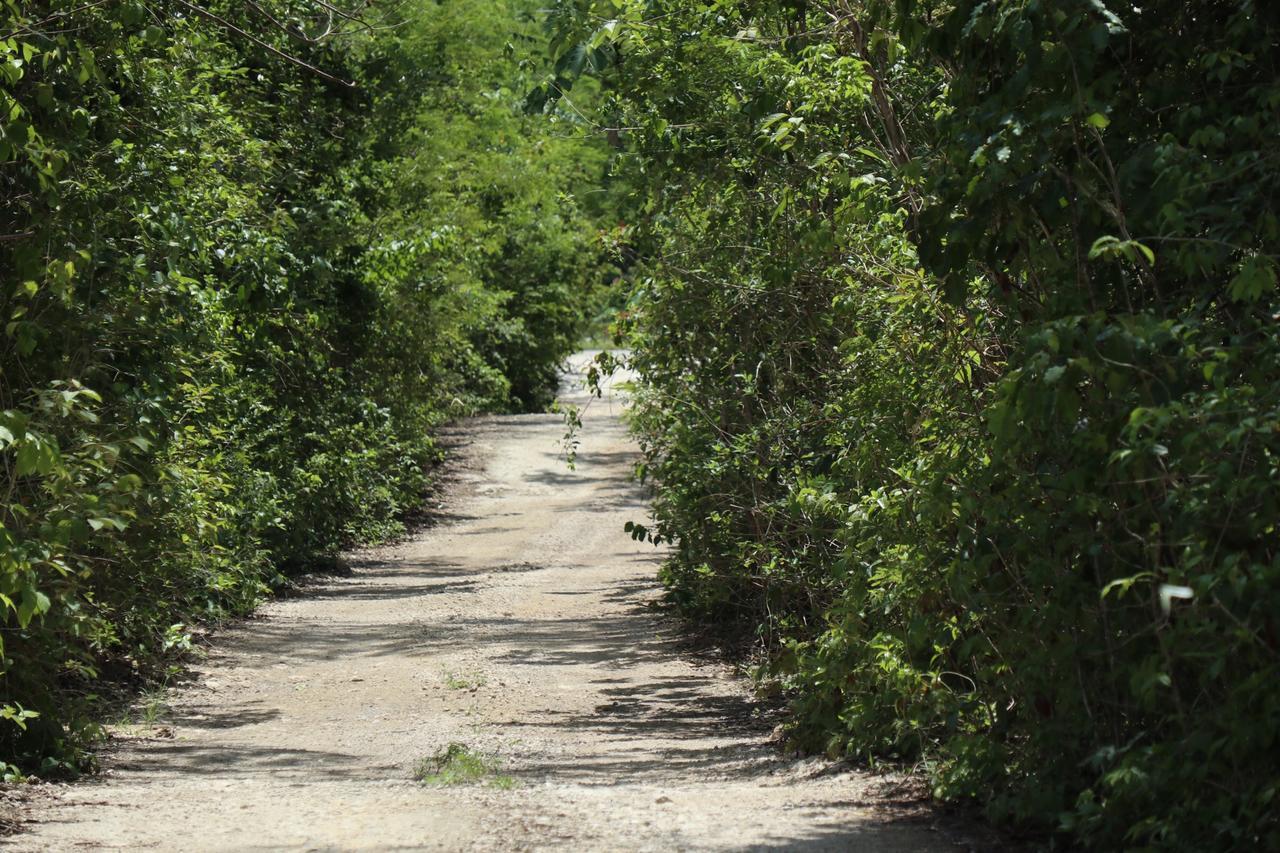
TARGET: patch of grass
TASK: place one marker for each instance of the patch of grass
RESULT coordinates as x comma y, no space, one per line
458,764
146,710
455,681
152,705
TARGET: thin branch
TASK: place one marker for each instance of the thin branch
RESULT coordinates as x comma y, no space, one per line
264,45
29,28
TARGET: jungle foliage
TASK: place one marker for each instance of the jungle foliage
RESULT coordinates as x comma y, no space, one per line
957,323
250,255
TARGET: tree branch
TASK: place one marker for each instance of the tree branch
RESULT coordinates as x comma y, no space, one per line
264,45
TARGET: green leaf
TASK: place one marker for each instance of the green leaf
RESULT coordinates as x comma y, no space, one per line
1123,585
129,483
1256,276
34,603
28,458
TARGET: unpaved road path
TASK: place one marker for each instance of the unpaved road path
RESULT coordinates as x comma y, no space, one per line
518,627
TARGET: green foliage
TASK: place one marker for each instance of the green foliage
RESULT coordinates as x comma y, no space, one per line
464,681
237,295
458,764
956,324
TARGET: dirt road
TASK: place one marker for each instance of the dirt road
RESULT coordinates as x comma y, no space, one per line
518,630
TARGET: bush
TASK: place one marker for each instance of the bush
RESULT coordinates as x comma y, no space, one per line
956,329
239,294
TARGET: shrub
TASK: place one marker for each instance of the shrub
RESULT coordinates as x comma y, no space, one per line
239,293
956,329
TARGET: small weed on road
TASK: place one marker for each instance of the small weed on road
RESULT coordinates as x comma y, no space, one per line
464,681
458,764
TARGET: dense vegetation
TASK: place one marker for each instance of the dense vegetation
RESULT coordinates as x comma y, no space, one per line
957,322
250,255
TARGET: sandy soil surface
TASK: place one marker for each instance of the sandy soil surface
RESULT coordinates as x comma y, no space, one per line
520,627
